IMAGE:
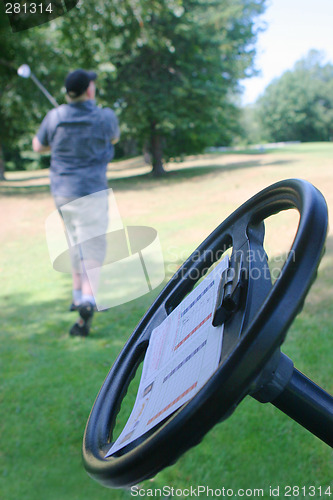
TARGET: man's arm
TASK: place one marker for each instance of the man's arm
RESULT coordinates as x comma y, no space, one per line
40,143
114,126
38,147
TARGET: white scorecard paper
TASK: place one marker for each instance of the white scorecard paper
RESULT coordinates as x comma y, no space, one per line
183,353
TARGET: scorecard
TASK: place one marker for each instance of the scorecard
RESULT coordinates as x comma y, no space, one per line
183,353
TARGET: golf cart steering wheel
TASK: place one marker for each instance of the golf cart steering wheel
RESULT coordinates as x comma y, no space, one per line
256,317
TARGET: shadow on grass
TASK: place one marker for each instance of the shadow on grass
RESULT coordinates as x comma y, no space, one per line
23,179
49,322
182,173
280,162
24,190
52,318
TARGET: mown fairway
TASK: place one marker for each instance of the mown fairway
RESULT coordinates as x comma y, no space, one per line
49,381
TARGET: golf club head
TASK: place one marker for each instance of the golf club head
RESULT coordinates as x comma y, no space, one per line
24,71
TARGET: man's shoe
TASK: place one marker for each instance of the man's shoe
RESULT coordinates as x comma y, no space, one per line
76,307
73,307
86,310
82,327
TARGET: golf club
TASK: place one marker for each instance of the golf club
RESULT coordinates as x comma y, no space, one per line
25,72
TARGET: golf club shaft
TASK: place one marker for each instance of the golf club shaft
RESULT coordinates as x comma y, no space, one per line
309,405
43,89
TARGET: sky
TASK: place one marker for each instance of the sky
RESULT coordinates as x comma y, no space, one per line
293,28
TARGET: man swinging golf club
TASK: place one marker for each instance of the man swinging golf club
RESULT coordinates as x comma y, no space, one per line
80,136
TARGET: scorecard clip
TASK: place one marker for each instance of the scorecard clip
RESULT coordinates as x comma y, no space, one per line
229,292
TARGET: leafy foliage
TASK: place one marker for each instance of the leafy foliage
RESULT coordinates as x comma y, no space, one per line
174,65
170,68
299,105
21,105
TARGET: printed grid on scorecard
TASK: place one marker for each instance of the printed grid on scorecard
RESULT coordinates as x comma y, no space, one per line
183,353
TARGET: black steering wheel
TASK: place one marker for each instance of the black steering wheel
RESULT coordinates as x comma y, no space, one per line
256,315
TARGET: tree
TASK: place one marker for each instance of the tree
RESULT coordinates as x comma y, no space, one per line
299,105
173,66
170,68
250,130
22,106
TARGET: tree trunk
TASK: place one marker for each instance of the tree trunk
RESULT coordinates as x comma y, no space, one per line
2,165
157,153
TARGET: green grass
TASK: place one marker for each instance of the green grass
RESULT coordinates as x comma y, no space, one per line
49,381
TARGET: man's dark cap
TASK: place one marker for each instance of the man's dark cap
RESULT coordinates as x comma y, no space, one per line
78,81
